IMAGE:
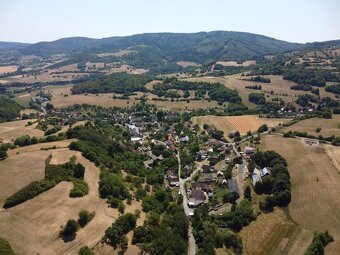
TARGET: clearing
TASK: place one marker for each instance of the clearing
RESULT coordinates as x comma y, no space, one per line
9,131
315,186
243,123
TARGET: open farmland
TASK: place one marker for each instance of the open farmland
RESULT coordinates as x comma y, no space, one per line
333,153
315,186
18,171
44,214
243,124
9,131
328,127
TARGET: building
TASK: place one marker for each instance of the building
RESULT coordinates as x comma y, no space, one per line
172,178
264,172
249,151
207,169
256,176
202,186
196,198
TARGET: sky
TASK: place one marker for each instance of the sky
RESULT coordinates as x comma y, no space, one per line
47,20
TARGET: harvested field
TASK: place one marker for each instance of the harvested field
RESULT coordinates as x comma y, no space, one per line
116,54
333,153
328,127
315,186
18,171
40,146
243,124
9,131
274,233
8,69
45,214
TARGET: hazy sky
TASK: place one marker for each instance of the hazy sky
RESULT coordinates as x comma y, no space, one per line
46,20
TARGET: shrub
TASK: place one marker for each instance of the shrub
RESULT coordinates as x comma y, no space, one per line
5,248
80,188
85,217
85,250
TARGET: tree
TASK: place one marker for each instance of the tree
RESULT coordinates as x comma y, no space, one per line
85,250
85,217
70,229
247,193
317,130
3,154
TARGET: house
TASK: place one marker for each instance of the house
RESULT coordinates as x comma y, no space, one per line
207,178
148,163
232,186
249,151
184,139
265,171
207,169
256,176
219,174
233,133
202,155
136,139
172,178
196,198
202,186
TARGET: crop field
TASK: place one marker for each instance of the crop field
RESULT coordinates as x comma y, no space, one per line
243,124
333,153
9,131
45,214
8,69
328,127
315,186
278,85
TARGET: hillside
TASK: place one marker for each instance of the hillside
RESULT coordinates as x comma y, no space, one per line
199,47
6,46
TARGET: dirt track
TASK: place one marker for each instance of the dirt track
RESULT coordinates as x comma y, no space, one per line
36,222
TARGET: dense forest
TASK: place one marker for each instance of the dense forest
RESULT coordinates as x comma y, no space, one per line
117,83
9,109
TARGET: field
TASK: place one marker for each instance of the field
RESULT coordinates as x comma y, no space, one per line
37,222
333,153
186,64
328,127
243,124
9,131
278,85
274,233
315,186
8,69
234,63
59,100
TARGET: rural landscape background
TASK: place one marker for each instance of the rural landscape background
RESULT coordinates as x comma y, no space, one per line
119,139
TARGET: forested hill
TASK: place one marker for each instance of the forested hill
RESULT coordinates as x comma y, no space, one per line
199,47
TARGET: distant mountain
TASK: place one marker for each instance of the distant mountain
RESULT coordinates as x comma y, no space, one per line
7,46
199,47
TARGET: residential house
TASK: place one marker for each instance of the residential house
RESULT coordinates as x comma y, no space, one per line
249,151
196,198
172,178
264,172
202,186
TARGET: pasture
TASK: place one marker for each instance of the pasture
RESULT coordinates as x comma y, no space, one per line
328,127
315,182
243,123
